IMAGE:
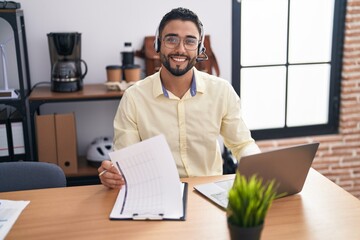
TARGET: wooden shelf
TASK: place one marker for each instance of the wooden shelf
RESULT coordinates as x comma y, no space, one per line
89,91
86,175
40,95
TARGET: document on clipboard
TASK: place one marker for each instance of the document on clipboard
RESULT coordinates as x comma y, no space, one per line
152,189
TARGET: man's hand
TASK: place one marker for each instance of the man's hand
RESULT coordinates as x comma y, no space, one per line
110,176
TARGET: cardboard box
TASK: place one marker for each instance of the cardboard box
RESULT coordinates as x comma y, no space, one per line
46,138
66,144
56,140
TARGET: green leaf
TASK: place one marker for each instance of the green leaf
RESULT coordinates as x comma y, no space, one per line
249,200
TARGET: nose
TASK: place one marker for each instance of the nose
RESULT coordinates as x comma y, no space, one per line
181,46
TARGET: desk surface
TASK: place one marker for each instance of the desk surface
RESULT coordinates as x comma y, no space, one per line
321,211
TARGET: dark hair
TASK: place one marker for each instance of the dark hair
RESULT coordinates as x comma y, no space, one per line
180,14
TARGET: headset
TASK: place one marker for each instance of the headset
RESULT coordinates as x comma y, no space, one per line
201,48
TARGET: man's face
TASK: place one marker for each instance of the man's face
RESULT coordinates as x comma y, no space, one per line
178,59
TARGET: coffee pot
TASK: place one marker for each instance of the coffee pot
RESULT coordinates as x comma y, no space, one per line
65,56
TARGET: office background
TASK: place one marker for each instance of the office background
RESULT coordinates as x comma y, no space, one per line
106,25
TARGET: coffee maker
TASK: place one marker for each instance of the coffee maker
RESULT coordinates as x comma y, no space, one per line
65,56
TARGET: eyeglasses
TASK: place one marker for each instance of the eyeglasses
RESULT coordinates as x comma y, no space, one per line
174,41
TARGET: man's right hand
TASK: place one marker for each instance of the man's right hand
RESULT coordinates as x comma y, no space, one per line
111,178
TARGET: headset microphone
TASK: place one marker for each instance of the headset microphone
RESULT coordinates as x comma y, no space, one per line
202,56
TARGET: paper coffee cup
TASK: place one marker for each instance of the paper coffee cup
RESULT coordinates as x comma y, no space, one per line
132,73
114,73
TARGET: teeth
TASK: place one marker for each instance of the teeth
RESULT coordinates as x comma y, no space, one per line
179,59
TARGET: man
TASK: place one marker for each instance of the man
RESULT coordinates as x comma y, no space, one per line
189,107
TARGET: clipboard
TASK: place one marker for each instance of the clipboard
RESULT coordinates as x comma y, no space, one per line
115,213
152,190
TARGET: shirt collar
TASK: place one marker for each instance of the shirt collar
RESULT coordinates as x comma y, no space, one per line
197,85
192,88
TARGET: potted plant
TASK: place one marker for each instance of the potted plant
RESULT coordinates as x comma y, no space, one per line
249,201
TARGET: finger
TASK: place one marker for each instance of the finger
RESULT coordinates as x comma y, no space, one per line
112,179
103,166
112,175
106,164
114,169
112,183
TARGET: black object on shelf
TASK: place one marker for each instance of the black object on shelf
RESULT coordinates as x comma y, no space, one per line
9,5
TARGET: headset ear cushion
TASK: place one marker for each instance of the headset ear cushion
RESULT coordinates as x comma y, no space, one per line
158,45
201,49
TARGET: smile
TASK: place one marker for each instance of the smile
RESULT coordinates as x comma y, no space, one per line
179,59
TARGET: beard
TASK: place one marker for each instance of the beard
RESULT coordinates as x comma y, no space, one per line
177,71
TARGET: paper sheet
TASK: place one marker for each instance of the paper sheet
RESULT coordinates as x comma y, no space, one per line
9,213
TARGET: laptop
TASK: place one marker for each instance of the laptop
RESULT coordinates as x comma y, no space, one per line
289,166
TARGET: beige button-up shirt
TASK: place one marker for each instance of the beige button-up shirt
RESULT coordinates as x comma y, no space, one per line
191,124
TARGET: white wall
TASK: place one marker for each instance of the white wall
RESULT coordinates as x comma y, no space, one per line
105,26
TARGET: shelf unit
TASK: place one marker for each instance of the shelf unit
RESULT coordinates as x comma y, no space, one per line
91,92
13,39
